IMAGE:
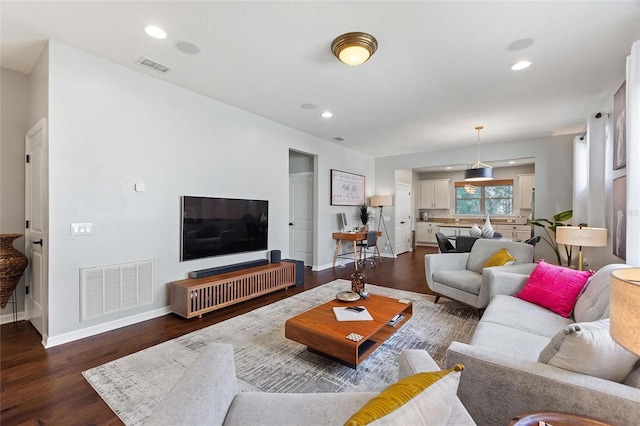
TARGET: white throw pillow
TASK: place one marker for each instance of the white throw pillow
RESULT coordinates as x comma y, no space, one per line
588,348
420,399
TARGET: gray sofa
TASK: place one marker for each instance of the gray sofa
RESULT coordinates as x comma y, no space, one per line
206,394
456,275
502,377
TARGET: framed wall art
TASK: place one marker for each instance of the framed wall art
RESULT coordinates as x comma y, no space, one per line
347,189
620,217
619,127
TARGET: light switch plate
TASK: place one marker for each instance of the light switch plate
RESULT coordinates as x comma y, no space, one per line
81,229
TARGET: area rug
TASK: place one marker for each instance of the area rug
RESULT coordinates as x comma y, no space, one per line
133,386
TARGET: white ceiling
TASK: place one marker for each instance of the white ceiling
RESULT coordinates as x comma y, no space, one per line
441,67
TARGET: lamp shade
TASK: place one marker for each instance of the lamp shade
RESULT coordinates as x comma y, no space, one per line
625,308
478,174
581,236
380,200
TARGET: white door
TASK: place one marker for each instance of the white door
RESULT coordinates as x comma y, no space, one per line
301,217
403,218
36,221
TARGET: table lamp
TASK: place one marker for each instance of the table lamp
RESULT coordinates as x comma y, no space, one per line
581,236
625,308
382,201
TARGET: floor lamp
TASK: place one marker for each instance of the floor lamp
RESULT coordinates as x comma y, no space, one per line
382,201
581,236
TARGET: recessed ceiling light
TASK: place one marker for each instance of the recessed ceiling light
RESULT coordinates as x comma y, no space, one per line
512,162
155,32
327,114
448,167
521,65
308,106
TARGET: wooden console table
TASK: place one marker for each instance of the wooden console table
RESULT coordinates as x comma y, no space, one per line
193,297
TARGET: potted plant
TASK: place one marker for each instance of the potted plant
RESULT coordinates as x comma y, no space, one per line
550,229
365,216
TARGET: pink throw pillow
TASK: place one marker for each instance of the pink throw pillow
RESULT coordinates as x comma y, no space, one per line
554,287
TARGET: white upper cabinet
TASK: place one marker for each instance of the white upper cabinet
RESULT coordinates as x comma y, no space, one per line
526,183
434,194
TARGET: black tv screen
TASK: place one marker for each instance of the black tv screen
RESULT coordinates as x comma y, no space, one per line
220,226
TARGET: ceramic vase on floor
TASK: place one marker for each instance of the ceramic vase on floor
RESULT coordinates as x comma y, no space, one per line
12,266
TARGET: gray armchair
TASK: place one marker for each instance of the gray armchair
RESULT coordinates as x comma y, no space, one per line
462,276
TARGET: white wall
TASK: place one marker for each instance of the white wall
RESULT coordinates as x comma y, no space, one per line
110,127
553,171
14,87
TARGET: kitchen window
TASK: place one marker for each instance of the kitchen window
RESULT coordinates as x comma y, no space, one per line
493,197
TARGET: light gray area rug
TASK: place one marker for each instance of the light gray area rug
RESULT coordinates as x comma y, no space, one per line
134,385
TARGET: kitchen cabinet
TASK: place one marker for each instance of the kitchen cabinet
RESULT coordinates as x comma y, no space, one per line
426,232
526,183
434,194
515,232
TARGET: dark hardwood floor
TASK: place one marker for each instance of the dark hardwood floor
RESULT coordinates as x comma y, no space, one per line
46,387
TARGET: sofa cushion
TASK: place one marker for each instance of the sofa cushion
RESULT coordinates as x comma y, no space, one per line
506,340
464,280
554,287
593,302
500,258
521,315
483,249
423,398
588,348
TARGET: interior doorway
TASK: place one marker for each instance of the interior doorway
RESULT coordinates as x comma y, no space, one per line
403,218
302,211
36,229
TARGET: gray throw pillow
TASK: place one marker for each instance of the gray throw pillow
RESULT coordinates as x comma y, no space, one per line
588,348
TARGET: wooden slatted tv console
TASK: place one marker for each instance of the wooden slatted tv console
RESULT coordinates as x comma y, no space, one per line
193,297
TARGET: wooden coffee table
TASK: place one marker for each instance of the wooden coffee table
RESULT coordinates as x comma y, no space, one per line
322,333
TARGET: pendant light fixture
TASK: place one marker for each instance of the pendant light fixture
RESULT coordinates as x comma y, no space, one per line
479,171
354,48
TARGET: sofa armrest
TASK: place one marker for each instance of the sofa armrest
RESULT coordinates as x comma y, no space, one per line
495,387
413,361
503,280
506,283
443,262
205,390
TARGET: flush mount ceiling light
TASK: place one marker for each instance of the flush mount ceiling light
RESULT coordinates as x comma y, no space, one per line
521,65
354,48
155,32
479,171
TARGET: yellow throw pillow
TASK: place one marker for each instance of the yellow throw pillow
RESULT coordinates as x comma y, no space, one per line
500,258
424,398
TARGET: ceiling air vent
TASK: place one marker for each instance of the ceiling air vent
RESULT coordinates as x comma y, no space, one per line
338,138
150,63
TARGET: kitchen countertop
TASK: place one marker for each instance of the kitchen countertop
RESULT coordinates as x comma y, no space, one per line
468,223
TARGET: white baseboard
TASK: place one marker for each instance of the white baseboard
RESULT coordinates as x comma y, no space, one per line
8,318
51,341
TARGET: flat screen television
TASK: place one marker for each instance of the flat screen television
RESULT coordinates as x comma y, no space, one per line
221,226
